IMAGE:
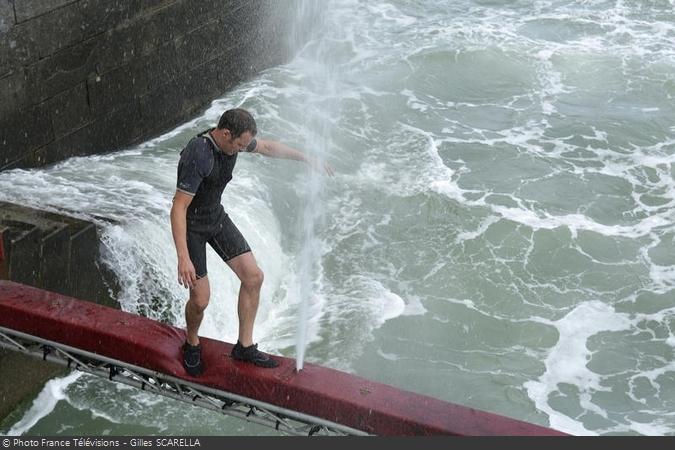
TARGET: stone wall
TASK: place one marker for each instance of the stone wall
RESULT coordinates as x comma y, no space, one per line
79,77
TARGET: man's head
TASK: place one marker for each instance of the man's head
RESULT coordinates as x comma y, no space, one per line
236,129
237,121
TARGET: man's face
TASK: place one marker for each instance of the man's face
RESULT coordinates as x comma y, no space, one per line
234,145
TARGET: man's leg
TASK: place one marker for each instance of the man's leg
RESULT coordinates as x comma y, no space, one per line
194,308
251,277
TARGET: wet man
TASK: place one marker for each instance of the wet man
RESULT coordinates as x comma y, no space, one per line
197,218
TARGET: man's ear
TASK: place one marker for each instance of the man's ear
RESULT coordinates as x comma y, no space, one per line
227,134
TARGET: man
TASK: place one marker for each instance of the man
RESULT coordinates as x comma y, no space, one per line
197,218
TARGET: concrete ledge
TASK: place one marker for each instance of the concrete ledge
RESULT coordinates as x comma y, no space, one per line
55,252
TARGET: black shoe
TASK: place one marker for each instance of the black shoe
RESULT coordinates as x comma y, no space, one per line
253,355
192,359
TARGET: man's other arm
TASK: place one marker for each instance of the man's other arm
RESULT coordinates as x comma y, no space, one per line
186,270
276,149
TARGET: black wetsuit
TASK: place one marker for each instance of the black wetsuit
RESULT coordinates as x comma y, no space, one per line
203,172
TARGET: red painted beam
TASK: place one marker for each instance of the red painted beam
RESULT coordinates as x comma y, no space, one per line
2,245
4,254
326,393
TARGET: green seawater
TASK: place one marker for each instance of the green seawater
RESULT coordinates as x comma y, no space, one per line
499,233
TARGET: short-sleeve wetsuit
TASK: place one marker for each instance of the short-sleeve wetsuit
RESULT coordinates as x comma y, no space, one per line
203,172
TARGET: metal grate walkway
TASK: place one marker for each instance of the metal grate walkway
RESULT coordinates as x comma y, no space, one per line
283,420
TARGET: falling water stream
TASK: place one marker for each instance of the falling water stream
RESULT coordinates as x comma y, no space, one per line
321,109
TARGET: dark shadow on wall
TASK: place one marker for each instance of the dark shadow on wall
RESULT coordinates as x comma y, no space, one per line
81,77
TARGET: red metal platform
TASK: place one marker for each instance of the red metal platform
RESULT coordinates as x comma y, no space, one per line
317,391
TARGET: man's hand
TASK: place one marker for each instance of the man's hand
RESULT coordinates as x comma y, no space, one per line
186,273
321,166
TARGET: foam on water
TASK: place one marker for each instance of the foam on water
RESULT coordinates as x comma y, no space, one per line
413,307
354,311
566,361
53,392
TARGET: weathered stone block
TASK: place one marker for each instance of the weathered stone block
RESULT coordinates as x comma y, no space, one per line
162,105
171,102
168,104
70,110
162,59
167,23
21,132
159,67
131,40
118,47
103,15
57,29
152,33
63,71
90,280
238,28
176,19
120,128
24,266
107,133
240,67
115,89
232,7
150,5
13,92
209,80
16,49
54,260
83,255
7,18
199,45
183,17
27,9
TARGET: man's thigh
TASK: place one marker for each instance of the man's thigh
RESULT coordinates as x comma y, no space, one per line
228,242
244,265
196,244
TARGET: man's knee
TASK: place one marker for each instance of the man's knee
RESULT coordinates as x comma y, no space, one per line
198,304
199,300
253,278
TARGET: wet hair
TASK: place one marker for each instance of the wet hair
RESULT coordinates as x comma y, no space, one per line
238,121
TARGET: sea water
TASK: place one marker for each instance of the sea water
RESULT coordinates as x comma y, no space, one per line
499,232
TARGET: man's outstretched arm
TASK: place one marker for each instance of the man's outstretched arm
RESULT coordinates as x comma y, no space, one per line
276,149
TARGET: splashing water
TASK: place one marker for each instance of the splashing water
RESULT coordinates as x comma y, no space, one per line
319,110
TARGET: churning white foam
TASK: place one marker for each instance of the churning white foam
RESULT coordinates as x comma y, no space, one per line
53,392
567,361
